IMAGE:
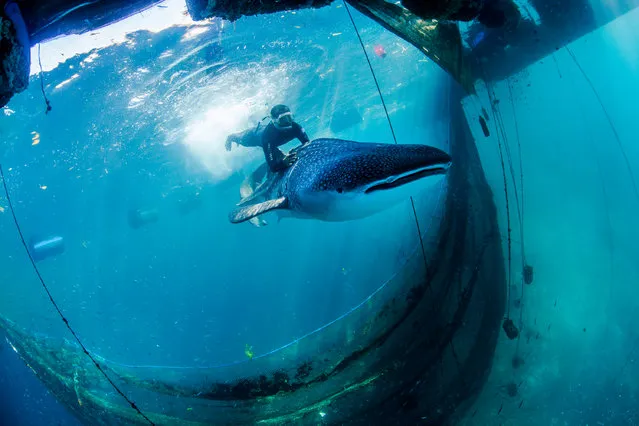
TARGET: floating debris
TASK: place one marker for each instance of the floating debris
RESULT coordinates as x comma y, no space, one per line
484,126
510,329
35,138
138,218
528,274
512,389
380,51
517,361
47,247
248,351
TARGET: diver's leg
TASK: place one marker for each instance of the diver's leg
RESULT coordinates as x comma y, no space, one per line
259,174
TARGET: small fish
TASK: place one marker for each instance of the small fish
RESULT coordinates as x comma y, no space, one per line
336,34
500,408
521,403
2,211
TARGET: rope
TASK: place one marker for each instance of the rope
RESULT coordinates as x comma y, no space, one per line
612,126
390,125
46,100
520,211
55,305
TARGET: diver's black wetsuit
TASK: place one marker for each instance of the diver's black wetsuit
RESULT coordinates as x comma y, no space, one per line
270,138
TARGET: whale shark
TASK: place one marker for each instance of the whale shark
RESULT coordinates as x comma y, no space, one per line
338,180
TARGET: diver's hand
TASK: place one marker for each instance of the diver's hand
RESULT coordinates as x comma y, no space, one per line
229,143
290,159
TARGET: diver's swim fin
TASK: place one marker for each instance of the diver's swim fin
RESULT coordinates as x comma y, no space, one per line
245,213
258,222
259,191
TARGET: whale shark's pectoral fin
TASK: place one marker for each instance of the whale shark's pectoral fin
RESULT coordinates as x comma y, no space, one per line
245,213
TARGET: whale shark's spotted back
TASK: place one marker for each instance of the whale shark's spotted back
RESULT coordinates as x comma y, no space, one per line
343,165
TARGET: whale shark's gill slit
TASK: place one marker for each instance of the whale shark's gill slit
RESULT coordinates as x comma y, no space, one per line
406,179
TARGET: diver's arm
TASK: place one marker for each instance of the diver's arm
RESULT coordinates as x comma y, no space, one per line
240,138
300,133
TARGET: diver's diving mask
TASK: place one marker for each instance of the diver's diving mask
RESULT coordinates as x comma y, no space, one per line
283,120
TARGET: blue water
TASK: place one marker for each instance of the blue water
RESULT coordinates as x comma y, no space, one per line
142,126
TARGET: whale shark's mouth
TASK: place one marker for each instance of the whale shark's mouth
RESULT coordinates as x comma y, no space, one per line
407,178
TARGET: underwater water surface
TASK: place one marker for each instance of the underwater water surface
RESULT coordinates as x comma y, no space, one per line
139,124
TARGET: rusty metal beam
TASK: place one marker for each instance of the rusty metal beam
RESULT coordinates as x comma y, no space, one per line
233,10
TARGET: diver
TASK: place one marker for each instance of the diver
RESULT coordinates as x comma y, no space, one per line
281,130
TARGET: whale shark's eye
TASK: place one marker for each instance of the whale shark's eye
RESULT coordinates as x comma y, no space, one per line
340,190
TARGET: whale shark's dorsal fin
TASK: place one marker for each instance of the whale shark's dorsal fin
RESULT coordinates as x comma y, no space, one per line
245,213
